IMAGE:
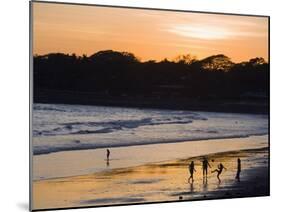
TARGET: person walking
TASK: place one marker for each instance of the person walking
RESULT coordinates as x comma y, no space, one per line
191,171
238,170
107,154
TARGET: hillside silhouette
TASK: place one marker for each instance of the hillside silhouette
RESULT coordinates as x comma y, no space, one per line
116,78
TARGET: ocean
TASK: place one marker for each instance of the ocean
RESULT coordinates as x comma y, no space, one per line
58,127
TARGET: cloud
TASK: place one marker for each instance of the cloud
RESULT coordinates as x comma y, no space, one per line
211,32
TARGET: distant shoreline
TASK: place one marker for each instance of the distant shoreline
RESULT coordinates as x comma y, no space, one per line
251,106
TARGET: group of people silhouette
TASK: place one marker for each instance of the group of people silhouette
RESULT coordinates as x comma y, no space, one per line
206,165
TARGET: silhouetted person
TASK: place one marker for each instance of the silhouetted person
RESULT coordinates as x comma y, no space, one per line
107,154
219,171
205,165
191,171
238,170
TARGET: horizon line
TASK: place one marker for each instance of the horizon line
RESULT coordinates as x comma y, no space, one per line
139,58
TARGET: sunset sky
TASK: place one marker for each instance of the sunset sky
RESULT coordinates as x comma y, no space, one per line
149,34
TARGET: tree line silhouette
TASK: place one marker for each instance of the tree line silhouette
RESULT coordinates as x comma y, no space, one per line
109,77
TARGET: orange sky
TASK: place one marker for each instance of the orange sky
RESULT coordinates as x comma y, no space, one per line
149,34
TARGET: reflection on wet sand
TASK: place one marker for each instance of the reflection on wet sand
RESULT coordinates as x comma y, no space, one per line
165,181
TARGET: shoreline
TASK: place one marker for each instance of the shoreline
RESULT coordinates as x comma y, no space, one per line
162,181
144,144
254,106
74,163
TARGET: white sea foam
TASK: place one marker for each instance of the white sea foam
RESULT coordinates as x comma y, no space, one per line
73,127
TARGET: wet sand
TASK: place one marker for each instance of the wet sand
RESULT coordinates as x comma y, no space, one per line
158,182
83,162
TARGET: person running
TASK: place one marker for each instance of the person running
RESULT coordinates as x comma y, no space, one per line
107,154
191,171
205,165
238,170
219,171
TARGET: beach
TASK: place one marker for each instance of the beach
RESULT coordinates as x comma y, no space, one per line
150,150
173,110
150,173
